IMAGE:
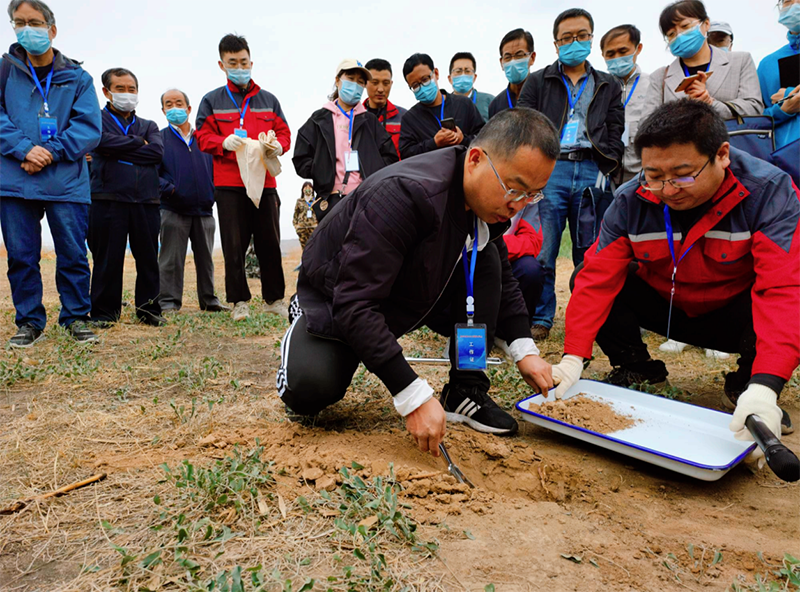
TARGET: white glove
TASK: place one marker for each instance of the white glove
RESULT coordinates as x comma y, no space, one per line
567,373
762,401
273,152
232,143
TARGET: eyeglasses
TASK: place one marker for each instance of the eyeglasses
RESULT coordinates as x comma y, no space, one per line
520,55
36,24
422,82
567,39
461,71
514,195
677,30
677,182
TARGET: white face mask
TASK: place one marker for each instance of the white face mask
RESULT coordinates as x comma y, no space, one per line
125,102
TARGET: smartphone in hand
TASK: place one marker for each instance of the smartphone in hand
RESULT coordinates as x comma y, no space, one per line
449,124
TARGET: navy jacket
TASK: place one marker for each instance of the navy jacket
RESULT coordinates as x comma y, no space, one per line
73,103
124,167
186,176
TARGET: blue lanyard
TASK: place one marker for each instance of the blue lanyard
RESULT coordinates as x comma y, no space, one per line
671,243
474,97
350,117
708,65
119,123
243,112
508,96
630,94
441,112
570,100
174,131
469,274
46,91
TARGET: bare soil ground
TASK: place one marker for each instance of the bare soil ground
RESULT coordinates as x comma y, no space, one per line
210,487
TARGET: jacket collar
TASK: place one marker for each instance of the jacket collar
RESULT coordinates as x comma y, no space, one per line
19,57
554,70
252,90
384,114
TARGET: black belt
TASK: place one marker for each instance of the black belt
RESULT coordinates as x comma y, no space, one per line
577,155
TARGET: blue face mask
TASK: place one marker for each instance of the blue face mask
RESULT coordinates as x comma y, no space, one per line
621,67
351,92
35,40
426,93
463,84
516,70
790,18
177,116
239,77
688,43
575,53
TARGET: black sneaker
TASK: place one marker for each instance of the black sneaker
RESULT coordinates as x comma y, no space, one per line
81,332
152,319
101,323
26,336
652,372
473,406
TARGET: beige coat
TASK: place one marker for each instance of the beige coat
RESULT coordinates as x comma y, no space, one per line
734,81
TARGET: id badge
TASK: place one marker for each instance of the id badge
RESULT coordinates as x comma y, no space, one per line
626,134
48,127
351,162
570,136
471,347
240,133
309,213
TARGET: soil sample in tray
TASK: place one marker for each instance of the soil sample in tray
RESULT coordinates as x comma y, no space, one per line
586,413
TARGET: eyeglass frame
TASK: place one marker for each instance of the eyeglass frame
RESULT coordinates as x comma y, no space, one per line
420,84
44,25
643,182
463,71
514,58
562,41
532,199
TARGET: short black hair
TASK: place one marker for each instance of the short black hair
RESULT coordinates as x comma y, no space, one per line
685,121
715,37
378,65
517,34
511,129
414,61
463,55
631,31
233,44
676,11
572,13
185,96
111,72
48,15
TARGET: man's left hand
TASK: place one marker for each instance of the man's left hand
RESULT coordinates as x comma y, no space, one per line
537,373
31,168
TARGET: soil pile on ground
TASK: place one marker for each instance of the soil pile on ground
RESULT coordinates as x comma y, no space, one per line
584,412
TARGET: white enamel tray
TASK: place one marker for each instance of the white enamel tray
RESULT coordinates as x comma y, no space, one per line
681,437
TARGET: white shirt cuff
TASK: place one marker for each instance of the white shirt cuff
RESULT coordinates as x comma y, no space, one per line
520,348
413,396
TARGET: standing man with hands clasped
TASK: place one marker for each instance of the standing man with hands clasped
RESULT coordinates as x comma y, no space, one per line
439,119
420,243
125,203
226,116
49,119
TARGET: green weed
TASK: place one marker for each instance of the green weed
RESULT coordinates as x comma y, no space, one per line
780,579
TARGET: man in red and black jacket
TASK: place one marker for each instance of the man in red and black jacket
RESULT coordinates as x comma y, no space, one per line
227,115
524,242
703,247
378,88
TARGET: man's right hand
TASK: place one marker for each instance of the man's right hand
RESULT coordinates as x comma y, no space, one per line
39,156
445,137
427,425
567,373
232,143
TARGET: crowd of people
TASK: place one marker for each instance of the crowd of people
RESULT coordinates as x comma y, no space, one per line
674,228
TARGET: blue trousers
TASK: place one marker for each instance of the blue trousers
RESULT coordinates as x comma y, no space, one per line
530,275
562,200
21,222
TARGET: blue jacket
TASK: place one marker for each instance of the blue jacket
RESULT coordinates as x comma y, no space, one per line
125,166
787,125
72,100
186,176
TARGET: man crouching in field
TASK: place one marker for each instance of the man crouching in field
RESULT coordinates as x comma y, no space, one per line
421,244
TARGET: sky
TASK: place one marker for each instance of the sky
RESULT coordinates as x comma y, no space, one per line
296,46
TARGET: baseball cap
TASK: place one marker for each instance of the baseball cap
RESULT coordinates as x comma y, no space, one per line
353,64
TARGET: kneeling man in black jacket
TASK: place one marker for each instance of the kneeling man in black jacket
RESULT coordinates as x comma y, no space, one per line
420,243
